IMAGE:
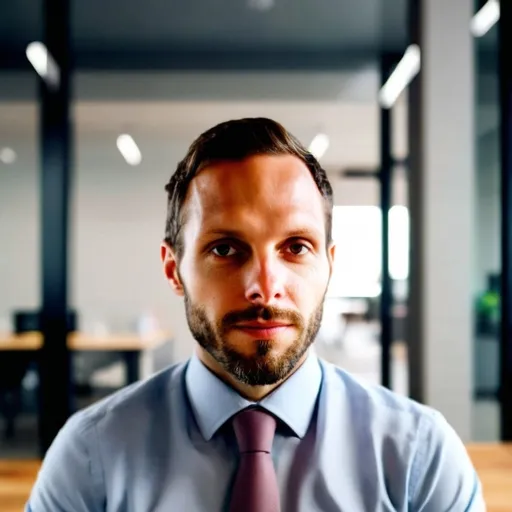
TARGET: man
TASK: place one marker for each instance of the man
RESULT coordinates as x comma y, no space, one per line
254,422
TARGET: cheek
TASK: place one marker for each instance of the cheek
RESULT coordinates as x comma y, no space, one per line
307,287
220,285
209,289
315,277
198,280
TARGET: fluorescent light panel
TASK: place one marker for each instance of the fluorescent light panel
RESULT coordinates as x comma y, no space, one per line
129,149
485,18
44,64
319,145
408,67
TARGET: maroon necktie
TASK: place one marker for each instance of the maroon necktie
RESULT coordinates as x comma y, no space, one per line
255,488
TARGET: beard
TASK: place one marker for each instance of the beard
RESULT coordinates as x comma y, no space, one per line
264,367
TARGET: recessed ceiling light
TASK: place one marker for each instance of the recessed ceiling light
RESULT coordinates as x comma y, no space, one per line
261,5
319,145
44,64
129,149
7,156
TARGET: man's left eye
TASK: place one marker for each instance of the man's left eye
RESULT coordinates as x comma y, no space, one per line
298,249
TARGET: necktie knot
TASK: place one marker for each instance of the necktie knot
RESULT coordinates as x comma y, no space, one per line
254,430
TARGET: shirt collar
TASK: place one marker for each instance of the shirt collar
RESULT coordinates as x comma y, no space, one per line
213,402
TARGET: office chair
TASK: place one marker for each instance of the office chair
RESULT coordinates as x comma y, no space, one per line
14,366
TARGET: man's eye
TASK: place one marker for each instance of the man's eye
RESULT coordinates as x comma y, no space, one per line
298,249
223,250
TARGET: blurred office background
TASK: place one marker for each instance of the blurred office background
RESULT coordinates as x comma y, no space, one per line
428,325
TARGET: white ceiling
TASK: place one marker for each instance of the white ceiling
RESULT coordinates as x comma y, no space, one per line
360,83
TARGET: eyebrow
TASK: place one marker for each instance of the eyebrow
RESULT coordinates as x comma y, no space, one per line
292,233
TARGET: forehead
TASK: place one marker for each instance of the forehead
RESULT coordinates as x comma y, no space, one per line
272,186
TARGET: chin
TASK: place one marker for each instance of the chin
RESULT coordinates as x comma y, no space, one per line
258,370
264,364
261,350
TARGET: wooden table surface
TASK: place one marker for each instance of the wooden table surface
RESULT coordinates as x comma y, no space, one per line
492,461
84,341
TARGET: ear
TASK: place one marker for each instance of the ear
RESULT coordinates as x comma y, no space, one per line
331,253
170,266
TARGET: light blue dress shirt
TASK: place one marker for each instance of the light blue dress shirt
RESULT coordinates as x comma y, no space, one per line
163,445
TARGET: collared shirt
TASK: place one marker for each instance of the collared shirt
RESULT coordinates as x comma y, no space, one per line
165,444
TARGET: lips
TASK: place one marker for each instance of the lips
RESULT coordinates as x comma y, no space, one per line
262,325
263,330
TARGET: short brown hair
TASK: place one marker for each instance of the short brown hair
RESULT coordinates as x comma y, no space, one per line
233,141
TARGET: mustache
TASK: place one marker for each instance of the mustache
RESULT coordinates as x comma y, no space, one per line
266,313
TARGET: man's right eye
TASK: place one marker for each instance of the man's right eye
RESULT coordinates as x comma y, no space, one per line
223,250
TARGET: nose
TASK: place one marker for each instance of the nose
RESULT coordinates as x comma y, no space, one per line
264,278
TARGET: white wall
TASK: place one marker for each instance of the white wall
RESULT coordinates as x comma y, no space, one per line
19,232
118,224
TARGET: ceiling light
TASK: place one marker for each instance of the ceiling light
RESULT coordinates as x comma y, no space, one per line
7,156
129,149
485,18
43,63
261,5
319,145
405,71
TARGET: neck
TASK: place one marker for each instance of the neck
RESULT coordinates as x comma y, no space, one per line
252,393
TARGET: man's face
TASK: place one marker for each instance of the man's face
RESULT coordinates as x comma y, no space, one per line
255,266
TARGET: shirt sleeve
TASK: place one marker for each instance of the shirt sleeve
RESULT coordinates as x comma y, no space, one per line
443,478
70,478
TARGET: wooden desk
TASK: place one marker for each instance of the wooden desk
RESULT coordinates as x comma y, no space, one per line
16,481
117,342
21,342
84,341
130,346
493,463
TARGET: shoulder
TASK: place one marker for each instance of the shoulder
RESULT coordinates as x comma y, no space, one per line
73,474
416,437
368,401
130,406
120,420
389,413
135,401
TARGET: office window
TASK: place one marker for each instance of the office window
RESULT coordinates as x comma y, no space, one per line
358,237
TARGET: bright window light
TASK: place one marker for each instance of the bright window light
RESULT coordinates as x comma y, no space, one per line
357,234
399,243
